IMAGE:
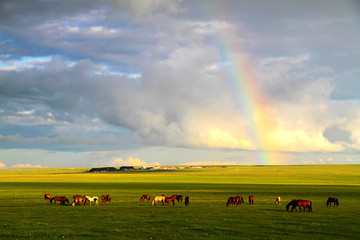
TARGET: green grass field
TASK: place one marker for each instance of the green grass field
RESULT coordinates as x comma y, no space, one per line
25,215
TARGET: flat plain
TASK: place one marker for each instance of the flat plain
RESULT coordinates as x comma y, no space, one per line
25,215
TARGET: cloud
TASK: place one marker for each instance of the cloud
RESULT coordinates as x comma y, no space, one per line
26,165
131,161
209,163
2,165
308,162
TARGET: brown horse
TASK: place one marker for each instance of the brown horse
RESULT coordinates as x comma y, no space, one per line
143,197
78,199
47,197
62,200
170,199
302,204
251,199
105,199
187,200
234,200
178,197
332,200
278,201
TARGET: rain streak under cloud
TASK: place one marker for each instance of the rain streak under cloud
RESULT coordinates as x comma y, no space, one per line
91,83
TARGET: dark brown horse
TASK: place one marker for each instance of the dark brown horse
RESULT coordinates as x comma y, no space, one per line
251,199
302,204
332,200
187,200
105,199
143,197
178,197
47,197
170,199
234,200
62,200
78,199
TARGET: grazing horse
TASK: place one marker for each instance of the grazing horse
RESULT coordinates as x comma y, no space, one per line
62,200
90,199
143,197
170,199
230,201
187,200
78,199
332,200
178,197
158,199
105,199
234,200
278,201
302,204
47,197
251,199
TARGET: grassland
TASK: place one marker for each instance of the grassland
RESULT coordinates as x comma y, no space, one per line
25,215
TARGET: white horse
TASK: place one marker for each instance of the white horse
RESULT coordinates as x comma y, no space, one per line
90,199
278,201
158,199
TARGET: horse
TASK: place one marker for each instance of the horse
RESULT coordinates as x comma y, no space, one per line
305,204
105,199
158,199
302,204
234,200
251,199
239,200
78,199
62,200
332,200
178,197
47,197
90,199
143,197
187,200
278,201
230,201
170,199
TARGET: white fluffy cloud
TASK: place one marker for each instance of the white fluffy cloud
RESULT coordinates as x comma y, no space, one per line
27,165
131,161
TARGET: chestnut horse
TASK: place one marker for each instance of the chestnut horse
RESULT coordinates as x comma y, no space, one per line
170,199
47,197
158,199
143,197
332,200
78,199
62,200
187,200
251,199
278,201
105,199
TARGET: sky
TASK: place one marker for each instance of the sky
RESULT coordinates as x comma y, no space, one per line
165,82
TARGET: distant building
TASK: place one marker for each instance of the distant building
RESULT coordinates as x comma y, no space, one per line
103,169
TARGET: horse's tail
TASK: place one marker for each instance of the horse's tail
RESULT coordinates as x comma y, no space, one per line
310,206
153,202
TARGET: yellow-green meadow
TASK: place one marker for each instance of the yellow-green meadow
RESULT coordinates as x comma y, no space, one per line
25,214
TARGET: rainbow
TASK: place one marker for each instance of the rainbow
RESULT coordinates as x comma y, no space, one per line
248,97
